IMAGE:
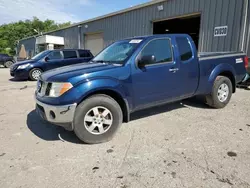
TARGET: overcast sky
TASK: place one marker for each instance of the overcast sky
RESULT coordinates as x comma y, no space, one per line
60,10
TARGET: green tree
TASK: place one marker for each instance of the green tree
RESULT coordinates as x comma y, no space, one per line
11,33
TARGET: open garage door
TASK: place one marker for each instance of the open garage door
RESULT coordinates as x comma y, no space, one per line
94,43
183,25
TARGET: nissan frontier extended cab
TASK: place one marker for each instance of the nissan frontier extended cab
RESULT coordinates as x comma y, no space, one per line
93,99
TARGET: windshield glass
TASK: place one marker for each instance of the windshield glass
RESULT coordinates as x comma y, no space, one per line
41,55
117,52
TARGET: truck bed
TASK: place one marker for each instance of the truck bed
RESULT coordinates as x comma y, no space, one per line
210,62
213,55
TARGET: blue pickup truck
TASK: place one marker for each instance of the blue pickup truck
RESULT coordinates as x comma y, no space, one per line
94,98
47,60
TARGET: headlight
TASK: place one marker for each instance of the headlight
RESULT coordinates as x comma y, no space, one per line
23,66
57,89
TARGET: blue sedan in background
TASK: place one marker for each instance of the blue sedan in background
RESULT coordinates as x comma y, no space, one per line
47,60
6,60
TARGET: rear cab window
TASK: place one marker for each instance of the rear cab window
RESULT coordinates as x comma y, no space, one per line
185,49
69,54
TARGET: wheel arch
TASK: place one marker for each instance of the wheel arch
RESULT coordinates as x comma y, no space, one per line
223,70
37,68
5,61
229,75
114,95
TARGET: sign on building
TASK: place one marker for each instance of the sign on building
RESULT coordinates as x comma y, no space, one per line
220,31
160,7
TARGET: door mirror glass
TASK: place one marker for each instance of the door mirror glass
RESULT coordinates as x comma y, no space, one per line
146,60
46,59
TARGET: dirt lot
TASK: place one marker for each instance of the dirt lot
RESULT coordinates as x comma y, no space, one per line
183,144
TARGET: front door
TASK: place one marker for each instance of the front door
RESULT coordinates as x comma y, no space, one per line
54,60
156,82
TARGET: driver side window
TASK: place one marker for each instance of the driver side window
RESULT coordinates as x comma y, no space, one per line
55,55
161,49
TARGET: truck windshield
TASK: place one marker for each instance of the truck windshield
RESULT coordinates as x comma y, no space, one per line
117,52
40,55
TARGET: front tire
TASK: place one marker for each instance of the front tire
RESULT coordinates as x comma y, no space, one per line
97,119
34,74
8,64
221,93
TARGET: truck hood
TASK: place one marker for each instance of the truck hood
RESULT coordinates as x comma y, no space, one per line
75,73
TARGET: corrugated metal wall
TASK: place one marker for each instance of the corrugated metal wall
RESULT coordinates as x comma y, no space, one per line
247,41
213,13
140,22
29,45
70,36
70,39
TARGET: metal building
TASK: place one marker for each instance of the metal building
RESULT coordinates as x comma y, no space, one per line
215,25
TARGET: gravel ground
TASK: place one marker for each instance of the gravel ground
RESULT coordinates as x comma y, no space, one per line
185,144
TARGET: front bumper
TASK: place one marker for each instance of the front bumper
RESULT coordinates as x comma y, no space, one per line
59,115
20,73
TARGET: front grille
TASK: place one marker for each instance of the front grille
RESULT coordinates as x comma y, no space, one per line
48,89
39,86
40,108
43,88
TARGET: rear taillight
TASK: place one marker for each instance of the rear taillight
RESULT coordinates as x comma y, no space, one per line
246,62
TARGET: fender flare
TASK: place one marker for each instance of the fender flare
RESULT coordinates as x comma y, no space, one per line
221,69
100,85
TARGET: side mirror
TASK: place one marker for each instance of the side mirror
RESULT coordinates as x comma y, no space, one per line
146,60
46,59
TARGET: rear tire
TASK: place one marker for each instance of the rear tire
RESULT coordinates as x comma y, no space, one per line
221,93
97,119
8,64
34,74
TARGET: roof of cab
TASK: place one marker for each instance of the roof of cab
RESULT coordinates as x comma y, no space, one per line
156,36
69,49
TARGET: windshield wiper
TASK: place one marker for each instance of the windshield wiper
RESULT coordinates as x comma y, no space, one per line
107,62
102,61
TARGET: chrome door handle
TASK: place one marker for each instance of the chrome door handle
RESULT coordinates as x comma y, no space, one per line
173,70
